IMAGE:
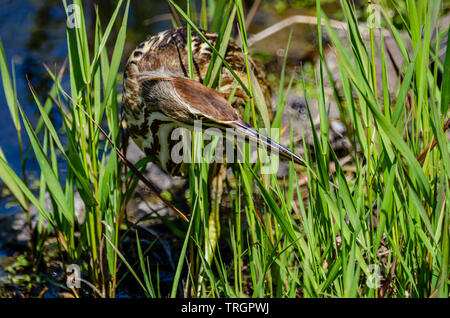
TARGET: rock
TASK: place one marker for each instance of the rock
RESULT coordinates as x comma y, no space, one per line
14,228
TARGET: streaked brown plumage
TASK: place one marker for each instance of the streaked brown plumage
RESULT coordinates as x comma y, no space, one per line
159,97
167,51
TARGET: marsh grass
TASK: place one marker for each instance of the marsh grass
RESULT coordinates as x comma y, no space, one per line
379,231
93,170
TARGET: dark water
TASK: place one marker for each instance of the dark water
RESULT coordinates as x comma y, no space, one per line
33,33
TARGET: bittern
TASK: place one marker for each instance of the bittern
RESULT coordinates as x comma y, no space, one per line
159,97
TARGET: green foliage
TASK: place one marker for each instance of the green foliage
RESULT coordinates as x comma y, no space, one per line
92,169
341,233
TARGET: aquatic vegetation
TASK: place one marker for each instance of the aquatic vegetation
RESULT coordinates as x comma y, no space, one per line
373,225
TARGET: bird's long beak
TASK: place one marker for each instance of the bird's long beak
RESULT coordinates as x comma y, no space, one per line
245,130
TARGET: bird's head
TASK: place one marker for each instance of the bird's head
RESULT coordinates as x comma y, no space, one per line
186,100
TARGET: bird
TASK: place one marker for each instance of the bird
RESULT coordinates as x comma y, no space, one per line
159,96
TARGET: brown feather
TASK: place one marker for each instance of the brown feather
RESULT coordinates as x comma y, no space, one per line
206,101
166,52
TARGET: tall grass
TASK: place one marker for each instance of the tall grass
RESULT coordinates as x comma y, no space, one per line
379,231
92,168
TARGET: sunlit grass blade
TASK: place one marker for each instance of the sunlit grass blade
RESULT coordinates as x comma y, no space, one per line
52,180
8,89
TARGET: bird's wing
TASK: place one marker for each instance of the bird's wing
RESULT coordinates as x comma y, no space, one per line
204,101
